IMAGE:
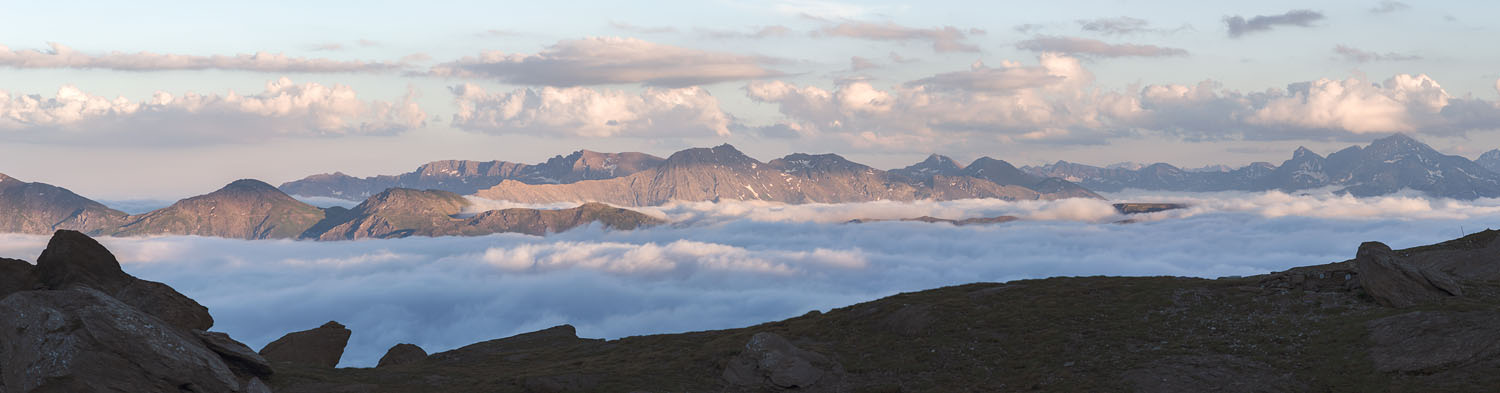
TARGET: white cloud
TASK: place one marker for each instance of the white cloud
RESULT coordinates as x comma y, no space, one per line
1093,47
943,39
581,111
610,60
61,56
1404,103
283,109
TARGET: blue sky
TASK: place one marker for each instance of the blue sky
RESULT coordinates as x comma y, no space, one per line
616,75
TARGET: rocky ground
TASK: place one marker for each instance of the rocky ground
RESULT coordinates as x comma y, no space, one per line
1421,319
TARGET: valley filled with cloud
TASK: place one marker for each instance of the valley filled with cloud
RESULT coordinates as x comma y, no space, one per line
735,264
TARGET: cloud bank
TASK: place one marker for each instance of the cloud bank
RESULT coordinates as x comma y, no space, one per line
610,60
586,112
738,264
61,56
284,109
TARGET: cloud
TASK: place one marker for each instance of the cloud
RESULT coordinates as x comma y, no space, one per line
586,112
60,56
1357,55
284,109
1092,47
1057,102
642,29
824,10
755,33
857,63
754,263
610,60
1388,6
1239,26
1028,28
1122,25
943,39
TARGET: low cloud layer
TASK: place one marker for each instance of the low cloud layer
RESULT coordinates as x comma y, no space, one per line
943,39
1239,25
1056,101
284,109
61,56
587,112
610,60
738,264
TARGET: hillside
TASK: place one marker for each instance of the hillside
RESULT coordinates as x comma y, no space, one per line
40,208
400,212
244,209
466,177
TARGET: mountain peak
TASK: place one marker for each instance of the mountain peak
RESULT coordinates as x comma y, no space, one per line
3,177
724,154
249,185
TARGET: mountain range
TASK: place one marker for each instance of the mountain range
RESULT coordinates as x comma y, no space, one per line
708,174
252,209
1385,166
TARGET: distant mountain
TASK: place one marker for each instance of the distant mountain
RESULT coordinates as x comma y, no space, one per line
400,212
40,208
724,173
466,177
244,209
1385,166
1490,160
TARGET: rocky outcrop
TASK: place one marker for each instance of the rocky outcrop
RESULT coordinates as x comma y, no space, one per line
15,276
322,346
773,362
83,340
402,354
239,357
1394,282
73,259
1428,341
560,336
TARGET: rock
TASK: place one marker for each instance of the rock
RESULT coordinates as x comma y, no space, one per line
15,276
1428,341
1395,283
1210,373
82,340
322,346
74,259
254,385
402,354
556,336
770,360
239,357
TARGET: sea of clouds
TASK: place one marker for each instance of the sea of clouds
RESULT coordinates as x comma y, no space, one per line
736,264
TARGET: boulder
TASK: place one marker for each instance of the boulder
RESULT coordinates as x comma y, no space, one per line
1394,282
322,346
83,340
15,276
239,357
402,354
74,259
771,361
1428,341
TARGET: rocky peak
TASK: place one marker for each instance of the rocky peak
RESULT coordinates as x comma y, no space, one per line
803,162
998,171
936,164
1303,152
4,178
725,155
250,187
1398,146
1489,160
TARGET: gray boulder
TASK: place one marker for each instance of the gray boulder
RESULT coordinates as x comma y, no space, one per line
402,354
82,340
1428,341
322,346
771,361
1395,282
240,358
74,259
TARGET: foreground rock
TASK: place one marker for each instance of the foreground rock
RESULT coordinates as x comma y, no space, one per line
1394,282
322,346
15,276
771,361
1430,341
239,357
402,354
74,259
82,340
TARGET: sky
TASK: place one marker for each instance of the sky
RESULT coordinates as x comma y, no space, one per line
735,264
168,99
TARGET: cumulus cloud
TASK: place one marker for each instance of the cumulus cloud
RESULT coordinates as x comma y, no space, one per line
284,109
1357,55
587,112
61,56
1056,101
1239,26
943,39
1389,6
758,263
1097,48
610,60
